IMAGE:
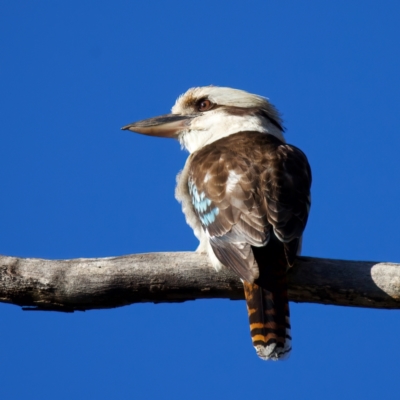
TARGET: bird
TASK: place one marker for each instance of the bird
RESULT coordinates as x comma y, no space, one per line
245,193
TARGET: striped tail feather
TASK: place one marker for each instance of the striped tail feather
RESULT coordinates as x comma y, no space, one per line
268,309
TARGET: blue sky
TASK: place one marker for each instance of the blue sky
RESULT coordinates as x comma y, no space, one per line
74,185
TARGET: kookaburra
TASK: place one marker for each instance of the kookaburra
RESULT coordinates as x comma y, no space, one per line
246,194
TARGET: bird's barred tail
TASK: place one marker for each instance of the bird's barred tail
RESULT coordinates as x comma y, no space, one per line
268,310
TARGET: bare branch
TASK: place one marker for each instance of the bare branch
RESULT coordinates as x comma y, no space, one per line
83,284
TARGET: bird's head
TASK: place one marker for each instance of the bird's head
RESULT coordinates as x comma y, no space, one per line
203,115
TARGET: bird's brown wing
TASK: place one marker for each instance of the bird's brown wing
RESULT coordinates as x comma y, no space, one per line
223,186
243,188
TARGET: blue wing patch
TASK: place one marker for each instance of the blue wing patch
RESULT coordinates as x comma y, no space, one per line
202,205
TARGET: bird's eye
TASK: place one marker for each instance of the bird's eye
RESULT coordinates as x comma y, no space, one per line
205,105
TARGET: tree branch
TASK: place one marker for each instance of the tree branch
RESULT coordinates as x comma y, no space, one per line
84,284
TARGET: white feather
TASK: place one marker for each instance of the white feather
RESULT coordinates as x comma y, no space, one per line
216,123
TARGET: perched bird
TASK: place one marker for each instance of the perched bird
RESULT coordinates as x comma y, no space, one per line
245,193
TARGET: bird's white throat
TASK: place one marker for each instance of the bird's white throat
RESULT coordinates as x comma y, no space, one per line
213,126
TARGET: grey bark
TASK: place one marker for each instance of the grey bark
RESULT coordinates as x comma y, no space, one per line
84,284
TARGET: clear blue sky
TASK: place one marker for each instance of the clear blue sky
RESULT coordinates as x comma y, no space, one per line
74,185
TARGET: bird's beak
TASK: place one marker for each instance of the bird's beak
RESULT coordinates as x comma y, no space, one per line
168,125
